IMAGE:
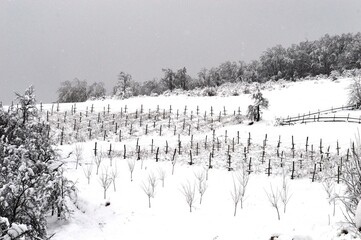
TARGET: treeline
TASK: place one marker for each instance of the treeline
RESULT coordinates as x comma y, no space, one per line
329,54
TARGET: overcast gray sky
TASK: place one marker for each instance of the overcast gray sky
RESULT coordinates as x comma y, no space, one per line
45,42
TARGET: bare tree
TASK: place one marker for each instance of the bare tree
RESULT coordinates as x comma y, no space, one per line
105,181
88,169
236,194
78,154
114,174
149,187
162,174
131,165
285,191
98,161
273,198
242,178
152,179
189,193
202,184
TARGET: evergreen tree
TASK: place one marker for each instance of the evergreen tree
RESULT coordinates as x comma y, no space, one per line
259,102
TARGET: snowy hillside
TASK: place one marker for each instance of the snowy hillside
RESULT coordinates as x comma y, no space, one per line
180,137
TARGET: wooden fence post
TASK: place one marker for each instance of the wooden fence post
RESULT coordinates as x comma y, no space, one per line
156,155
125,150
269,168
190,156
95,148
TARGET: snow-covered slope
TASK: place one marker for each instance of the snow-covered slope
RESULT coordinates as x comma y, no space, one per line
309,214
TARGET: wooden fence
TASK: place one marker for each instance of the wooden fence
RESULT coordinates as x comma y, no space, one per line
320,116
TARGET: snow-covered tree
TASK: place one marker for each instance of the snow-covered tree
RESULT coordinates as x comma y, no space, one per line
122,88
169,79
259,102
96,90
73,91
27,104
31,177
182,79
354,96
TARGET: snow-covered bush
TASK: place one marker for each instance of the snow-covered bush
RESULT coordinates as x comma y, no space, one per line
31,177
210,92
334,75
15,231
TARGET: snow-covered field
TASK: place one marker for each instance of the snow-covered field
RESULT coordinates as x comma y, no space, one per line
125,212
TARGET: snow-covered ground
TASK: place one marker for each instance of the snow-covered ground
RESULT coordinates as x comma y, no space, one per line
309,214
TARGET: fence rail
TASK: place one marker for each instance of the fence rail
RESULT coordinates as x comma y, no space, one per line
319,118
327,111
